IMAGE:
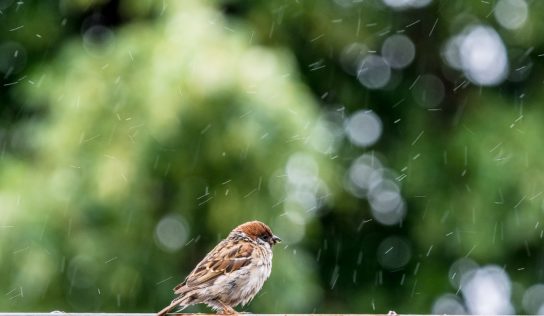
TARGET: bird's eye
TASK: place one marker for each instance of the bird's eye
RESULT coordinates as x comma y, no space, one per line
264,237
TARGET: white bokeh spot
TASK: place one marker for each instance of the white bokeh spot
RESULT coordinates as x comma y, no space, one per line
511,14
483,56
364,128
487,291
171,232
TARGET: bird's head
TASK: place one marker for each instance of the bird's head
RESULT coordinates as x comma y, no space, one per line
258,231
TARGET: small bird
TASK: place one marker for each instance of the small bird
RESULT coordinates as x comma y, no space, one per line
232,273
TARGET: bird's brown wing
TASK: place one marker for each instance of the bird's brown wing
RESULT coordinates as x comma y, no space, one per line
226,257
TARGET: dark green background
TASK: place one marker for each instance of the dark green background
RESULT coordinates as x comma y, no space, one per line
118,114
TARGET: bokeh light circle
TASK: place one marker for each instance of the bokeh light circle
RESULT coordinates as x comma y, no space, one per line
388,216
302,169
480,53
405,4
98,40
394,253
451,53
351,56
364,170
326,135
448,304
458,269
429,91
385,197
483,56
511,14
374,72
290,226
364,128
171,232
533,299
13,58
487,291
399,51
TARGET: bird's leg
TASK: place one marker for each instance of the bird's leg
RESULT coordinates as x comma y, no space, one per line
226,310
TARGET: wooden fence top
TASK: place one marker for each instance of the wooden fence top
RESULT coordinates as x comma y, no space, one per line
56,313
186,314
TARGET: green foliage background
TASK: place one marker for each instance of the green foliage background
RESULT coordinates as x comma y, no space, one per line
193,109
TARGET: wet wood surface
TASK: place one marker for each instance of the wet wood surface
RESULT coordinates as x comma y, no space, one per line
184,314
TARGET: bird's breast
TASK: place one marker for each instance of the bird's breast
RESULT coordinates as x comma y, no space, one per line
257,274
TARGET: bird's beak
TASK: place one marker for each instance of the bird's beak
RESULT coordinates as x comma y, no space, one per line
276,239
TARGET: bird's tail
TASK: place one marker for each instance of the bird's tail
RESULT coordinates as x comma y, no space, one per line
175,302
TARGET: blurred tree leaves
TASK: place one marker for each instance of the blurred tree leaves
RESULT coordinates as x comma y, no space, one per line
138,125
119,117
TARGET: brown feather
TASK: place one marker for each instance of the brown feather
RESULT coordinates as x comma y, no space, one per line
242,249
254,229
228,256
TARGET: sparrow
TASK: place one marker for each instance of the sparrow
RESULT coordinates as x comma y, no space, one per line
232,273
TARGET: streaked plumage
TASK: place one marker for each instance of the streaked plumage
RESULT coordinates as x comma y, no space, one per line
232,273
